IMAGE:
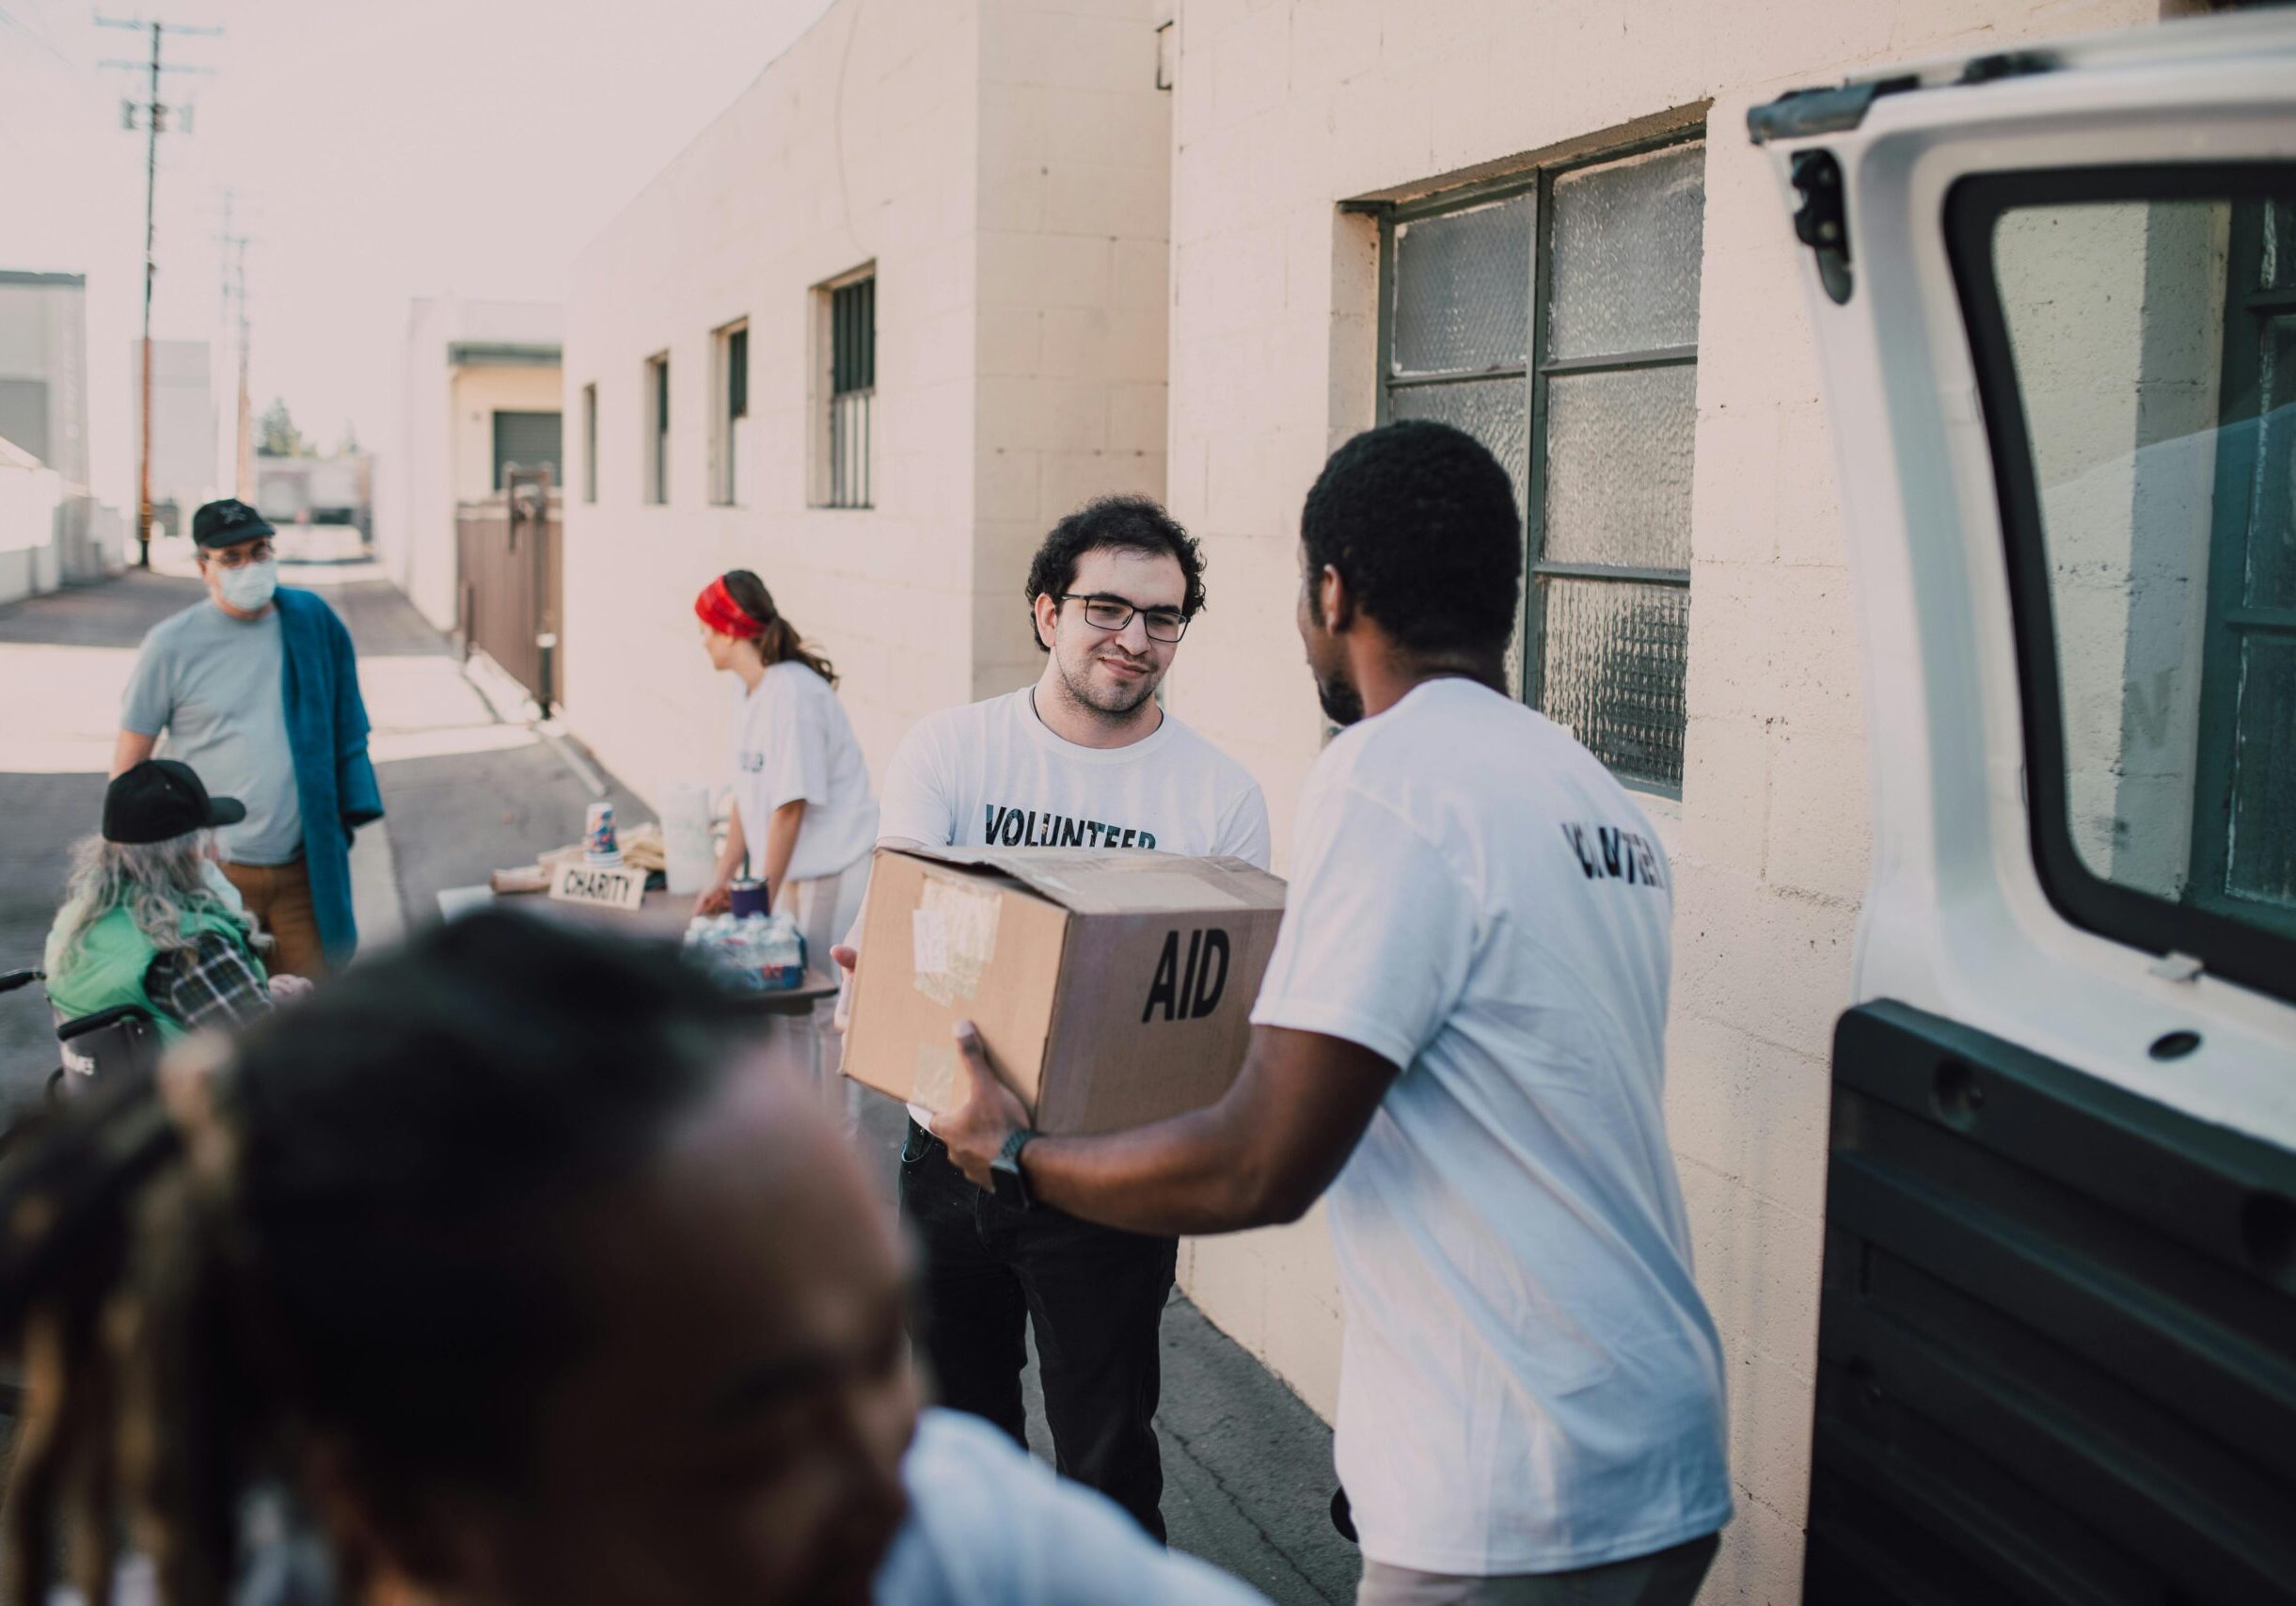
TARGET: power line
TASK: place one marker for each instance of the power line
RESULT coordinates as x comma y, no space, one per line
38,38
235,292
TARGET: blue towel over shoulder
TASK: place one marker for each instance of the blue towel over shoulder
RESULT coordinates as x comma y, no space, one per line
326,730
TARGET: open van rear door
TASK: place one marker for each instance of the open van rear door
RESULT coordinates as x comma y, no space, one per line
2055,293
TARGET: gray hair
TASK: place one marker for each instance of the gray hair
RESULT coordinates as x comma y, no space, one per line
157,882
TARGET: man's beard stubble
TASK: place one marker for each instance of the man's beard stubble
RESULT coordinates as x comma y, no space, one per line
1342,703
1107,705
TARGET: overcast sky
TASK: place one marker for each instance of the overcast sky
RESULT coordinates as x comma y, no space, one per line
381,149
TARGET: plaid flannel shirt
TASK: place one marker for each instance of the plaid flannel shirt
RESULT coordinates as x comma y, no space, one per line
211,983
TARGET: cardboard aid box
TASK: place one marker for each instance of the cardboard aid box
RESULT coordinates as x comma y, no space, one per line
1109,989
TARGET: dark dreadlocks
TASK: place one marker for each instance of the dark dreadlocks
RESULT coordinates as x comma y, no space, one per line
350,1238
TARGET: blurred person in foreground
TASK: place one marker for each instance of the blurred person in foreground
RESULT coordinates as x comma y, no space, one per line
498,1274
257,688
1461,1040
148,920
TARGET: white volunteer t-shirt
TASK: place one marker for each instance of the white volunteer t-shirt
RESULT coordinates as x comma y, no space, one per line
989,1525
791,739
1529,1380
992,773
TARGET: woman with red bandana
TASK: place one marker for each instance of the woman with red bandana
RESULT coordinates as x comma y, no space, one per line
804,816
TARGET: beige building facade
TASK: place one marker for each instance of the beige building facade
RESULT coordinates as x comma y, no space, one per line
930,241
479,382
44,417
1542,220
1295,126
184,416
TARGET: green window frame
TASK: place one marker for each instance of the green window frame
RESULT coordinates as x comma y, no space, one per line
657,430
1645,752
730,365
852,392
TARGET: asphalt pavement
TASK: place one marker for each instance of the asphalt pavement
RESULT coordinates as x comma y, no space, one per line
470,785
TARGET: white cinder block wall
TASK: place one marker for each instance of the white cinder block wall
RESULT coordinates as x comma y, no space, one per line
1076,193
479,392
1005,168
1284,111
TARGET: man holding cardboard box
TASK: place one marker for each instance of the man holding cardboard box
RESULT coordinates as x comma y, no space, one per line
1085,758
1460,1035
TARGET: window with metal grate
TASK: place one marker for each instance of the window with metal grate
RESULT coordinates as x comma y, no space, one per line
852,389
728,433
657,429
1553,317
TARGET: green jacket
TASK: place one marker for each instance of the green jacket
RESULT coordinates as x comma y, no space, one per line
110,964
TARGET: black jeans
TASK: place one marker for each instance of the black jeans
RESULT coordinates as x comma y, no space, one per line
1096,1298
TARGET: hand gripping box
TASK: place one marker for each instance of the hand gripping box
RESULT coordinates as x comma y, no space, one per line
1110,988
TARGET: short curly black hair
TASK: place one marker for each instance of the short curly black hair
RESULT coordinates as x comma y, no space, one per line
1135,524
1421,520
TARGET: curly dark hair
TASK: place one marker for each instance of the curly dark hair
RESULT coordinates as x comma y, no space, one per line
1421,521
1135,524
363,1230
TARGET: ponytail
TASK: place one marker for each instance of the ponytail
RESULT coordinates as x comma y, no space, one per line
779,640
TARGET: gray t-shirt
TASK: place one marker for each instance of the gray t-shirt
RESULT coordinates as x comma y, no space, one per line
213,684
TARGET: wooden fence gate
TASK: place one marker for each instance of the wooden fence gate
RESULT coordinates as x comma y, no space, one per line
507,546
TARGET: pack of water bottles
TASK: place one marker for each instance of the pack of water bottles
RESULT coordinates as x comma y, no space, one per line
751,953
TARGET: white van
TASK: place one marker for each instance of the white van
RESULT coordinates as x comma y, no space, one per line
2055,293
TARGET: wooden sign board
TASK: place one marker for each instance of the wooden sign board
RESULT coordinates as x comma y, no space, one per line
624,887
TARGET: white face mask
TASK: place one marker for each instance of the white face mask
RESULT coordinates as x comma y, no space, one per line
248,588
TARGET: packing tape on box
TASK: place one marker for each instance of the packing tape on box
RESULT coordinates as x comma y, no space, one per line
953,939
934,1084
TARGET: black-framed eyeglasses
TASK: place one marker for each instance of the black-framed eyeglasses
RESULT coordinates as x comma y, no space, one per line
240,557
1112,613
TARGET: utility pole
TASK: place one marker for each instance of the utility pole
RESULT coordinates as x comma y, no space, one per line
235,294
155,120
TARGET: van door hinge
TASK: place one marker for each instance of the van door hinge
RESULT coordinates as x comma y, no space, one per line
1822,221
1798,114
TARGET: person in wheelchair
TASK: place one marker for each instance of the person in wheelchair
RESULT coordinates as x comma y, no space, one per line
148,922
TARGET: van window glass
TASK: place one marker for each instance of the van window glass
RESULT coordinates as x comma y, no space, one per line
2151,344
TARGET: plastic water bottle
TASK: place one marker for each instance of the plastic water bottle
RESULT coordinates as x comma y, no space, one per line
755,953
782,954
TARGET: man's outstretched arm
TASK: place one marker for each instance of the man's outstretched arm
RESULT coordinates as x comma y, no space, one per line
131,749
1260,1155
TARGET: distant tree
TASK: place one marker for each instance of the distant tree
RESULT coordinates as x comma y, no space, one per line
348,445
276,434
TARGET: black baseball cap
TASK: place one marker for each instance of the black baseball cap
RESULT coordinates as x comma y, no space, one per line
227,523
163,799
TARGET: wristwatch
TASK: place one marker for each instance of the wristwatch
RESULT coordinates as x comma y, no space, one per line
1004,1171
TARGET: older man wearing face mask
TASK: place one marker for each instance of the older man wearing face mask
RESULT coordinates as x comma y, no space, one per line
257,688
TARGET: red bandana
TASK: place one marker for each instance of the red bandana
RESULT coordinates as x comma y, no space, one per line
716,609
